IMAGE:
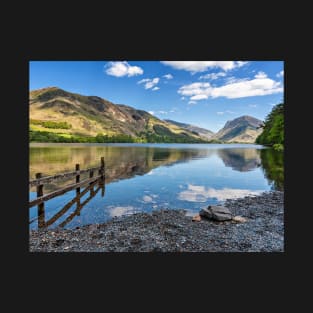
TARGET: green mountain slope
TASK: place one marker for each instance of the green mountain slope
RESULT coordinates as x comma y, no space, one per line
60,116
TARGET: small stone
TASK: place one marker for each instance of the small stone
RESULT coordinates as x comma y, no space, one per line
239,219
196,218
135,241
156,249
217,213
66,248
59,242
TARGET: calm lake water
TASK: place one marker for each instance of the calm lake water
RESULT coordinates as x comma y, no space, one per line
146,177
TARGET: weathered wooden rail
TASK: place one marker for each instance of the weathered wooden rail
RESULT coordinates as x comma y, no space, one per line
40,181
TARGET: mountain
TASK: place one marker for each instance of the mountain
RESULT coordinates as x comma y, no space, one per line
202,132
243,129
58,115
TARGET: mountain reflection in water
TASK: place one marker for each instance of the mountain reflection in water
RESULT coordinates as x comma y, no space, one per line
120,162
152,176
241,160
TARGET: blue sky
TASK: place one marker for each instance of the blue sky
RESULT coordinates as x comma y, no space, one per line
202,93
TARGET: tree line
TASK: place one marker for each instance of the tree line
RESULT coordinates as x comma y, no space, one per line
273,129
45,136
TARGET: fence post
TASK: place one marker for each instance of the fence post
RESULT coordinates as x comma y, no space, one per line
102,179
102,169
41,206
77,168
91,189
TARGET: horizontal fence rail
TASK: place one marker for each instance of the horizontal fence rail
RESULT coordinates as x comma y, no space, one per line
49,179
40,181
62,191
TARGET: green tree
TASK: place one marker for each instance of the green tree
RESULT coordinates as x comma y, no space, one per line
273,130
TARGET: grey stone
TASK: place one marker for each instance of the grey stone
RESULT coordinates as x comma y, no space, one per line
239,219
217,213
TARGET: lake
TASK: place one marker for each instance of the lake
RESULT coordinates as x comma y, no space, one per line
146,177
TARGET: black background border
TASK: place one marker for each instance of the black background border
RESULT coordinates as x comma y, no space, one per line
59,34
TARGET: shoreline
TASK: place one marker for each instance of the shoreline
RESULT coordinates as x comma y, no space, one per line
174,231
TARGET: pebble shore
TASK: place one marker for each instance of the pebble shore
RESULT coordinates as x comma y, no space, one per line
174,231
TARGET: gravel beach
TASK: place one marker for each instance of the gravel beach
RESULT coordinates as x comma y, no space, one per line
174,231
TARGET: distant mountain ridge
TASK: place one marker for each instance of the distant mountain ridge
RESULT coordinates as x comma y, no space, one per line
202,132
243,129
57,115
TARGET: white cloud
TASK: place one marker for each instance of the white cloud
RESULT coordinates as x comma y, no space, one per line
161,112
280,74
241,63
120,69
202,66
198,97
227,111
168,76
232,80
149,83
260,75
213,76
155,88
193,89
182,98
143,80
192,102
202,194
259,86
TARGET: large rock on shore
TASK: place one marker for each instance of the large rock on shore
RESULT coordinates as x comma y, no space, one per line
217,213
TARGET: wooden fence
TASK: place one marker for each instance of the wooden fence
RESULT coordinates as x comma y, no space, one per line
91,182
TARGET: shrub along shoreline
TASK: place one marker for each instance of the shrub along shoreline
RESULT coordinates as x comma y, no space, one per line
273,130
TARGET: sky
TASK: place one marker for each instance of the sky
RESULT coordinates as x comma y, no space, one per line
202,93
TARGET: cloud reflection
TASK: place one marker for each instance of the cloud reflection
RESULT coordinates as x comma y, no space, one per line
202,194
149,198
121,210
